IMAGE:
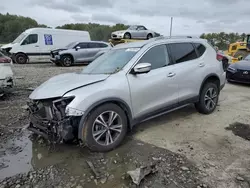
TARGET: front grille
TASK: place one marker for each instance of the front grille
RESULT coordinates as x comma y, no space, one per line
114,35
244,74
52,55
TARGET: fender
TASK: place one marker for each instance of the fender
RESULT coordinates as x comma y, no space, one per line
207,77
121,103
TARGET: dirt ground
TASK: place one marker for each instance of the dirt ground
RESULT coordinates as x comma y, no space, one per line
184,149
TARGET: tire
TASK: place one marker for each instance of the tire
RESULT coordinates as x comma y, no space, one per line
58,64
67,60
149,36
207,103
127,36
91,127
21,59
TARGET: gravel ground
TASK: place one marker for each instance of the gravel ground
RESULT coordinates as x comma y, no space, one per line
27,161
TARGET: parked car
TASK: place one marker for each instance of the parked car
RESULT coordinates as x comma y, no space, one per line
133,32
79,52
240,71
129,84
35,44
6,73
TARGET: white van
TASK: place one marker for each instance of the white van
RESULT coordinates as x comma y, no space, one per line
35,44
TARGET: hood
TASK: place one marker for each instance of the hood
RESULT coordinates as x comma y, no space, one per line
58,50
121,31
59,85
242,65
10,45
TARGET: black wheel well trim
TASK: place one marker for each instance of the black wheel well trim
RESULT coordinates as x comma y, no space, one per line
68,54
210,76
121,103
23,53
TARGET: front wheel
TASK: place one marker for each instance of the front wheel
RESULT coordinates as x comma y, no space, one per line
127,36
67,61
149,36
21,59
208,98
105,128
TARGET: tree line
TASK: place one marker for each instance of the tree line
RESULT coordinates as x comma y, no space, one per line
12,25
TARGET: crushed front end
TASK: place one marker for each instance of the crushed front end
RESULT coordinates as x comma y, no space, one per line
48,119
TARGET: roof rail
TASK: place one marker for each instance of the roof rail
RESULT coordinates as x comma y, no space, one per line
173,37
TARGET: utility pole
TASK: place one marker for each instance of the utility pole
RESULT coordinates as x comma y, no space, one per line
171,25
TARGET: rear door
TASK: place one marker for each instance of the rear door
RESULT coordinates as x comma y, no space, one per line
94,48
189,69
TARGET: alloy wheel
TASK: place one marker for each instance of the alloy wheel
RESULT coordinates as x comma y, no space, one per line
67,61
107,128
211,97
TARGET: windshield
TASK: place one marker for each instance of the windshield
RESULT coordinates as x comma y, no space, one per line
247,58
20,38
132,27
71,45
111,62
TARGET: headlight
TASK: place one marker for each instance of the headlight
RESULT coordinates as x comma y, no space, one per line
73,112
231,69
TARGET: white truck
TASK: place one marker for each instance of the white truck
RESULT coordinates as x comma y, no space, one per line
35,44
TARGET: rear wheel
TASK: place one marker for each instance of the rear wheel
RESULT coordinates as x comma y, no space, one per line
21,59
208,98
67,60
149,36
105,128
127,36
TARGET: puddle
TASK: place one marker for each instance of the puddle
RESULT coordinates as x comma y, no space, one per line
240,129
22,155
15,157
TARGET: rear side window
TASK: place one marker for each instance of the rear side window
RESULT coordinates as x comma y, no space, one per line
157,56
102,45
182,52
94,45
200,48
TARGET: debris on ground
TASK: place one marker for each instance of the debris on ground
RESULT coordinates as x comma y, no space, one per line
93,169
138,174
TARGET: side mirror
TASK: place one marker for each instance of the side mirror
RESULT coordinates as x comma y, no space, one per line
77,48
141,68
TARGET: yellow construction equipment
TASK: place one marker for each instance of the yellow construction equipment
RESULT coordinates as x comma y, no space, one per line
239,50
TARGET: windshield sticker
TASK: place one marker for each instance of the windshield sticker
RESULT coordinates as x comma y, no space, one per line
132,49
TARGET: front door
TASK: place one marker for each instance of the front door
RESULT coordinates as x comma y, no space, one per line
81,52
30,46
156,89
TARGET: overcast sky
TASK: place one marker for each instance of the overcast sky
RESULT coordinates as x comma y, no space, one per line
191,17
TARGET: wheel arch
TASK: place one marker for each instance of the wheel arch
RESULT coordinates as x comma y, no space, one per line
68,54
210,78
23,53
119,102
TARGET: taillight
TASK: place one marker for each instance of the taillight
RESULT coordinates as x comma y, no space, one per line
5,60
219,57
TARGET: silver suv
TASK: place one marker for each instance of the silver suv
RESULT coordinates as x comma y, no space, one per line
79,52
129,84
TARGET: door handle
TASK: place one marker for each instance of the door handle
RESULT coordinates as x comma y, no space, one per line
36,46
171,74
201,65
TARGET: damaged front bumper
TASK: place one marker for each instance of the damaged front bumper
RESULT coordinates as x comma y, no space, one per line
49,119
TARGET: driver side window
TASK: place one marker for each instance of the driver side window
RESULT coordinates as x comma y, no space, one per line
31,39
156,56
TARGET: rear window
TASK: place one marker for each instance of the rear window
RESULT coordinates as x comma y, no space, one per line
182,52
200,48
